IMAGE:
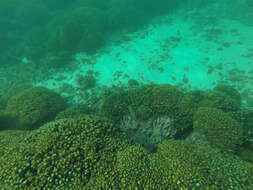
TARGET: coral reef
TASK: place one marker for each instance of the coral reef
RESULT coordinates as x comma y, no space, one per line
179,165
133,141
219,128
231,92
35,106
89,153
8,137
151,132
8,122
12,92
150,113
74,111
147,101
223,97
64,154
176,165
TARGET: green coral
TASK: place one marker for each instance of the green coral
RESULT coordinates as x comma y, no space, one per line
223,97
176,165
129,172
245,118
132,167
150,114
74,111
245,152
230,92
179,165
89,153
170,101
218,100
35,106
150,101
12,92
219,128
7,121
8,137
63,154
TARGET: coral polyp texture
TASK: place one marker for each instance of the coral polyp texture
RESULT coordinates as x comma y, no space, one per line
67,153
89,152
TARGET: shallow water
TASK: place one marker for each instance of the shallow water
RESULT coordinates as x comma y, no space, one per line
89,50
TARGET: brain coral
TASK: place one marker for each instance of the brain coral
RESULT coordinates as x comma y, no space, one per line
35,106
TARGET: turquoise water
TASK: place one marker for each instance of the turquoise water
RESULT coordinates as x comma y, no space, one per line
126,94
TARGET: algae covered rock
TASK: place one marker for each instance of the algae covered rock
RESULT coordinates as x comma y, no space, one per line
219,128
35,106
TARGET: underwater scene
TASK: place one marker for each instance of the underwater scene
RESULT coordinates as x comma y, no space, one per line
126,95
